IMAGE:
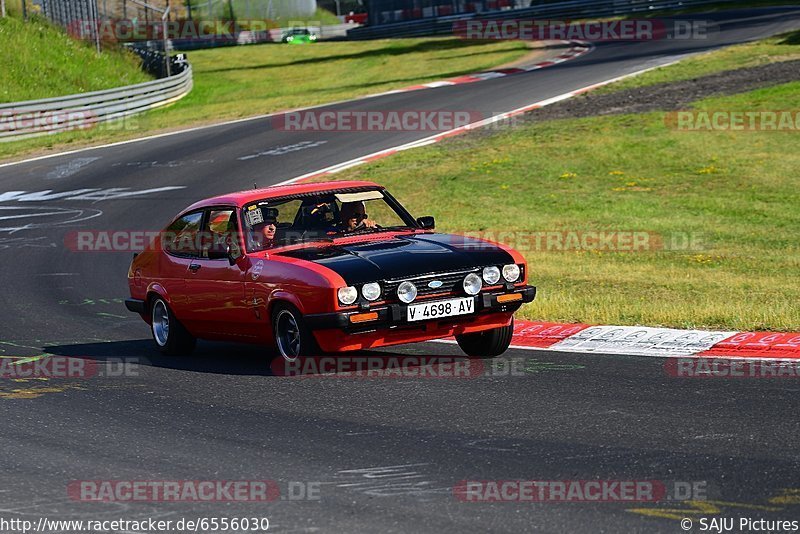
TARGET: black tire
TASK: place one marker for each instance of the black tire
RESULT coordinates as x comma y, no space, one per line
487,344
169,335
293,339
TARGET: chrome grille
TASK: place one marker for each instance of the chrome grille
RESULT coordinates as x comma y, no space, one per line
451,284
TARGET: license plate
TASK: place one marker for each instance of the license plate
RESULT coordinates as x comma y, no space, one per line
441,308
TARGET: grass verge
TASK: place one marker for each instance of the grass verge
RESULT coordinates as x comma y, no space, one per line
735,193
243,81
40,61
779,48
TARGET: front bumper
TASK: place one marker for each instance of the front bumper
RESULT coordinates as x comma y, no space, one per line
394,315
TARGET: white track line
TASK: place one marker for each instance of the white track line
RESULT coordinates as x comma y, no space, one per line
485,122
224,123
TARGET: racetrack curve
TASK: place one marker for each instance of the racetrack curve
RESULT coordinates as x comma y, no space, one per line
387,452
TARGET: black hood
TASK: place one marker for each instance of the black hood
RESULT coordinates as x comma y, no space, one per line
404,256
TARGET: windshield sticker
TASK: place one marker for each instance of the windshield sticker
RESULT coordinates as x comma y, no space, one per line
254,216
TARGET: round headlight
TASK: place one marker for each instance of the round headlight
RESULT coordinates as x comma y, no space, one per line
347,295
371,291
511,272
491,275
472,284
406,292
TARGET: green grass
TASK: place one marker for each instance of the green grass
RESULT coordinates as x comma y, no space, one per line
244,10
737,192
325,17
243,81
779,48
40,61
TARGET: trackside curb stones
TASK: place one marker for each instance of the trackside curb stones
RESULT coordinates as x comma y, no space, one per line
649,341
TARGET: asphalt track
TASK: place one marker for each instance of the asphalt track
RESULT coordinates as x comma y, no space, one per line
386,453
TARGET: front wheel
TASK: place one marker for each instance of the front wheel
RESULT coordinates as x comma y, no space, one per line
292,337
169,335
487,344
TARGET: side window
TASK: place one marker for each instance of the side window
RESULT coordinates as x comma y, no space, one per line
221,231
271,224
181,237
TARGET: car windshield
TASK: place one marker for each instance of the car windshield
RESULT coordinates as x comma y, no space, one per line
284,221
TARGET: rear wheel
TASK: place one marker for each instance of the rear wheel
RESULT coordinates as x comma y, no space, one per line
487,344
169,335
293,338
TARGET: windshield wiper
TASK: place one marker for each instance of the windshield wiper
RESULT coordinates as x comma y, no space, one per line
381,229
359,232
398,227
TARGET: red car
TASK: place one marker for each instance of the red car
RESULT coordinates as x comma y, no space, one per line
331,266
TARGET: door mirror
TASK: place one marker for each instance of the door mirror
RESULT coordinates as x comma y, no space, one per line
426,222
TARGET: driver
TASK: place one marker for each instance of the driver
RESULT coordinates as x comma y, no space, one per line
264,232
353,216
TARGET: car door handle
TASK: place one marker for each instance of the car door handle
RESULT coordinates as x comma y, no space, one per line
194,267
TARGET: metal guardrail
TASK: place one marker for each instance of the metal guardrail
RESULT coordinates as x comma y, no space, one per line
571,9
21,120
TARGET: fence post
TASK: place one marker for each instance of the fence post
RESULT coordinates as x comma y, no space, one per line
95,23
164,19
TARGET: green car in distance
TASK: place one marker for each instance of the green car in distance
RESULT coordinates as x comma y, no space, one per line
299,36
